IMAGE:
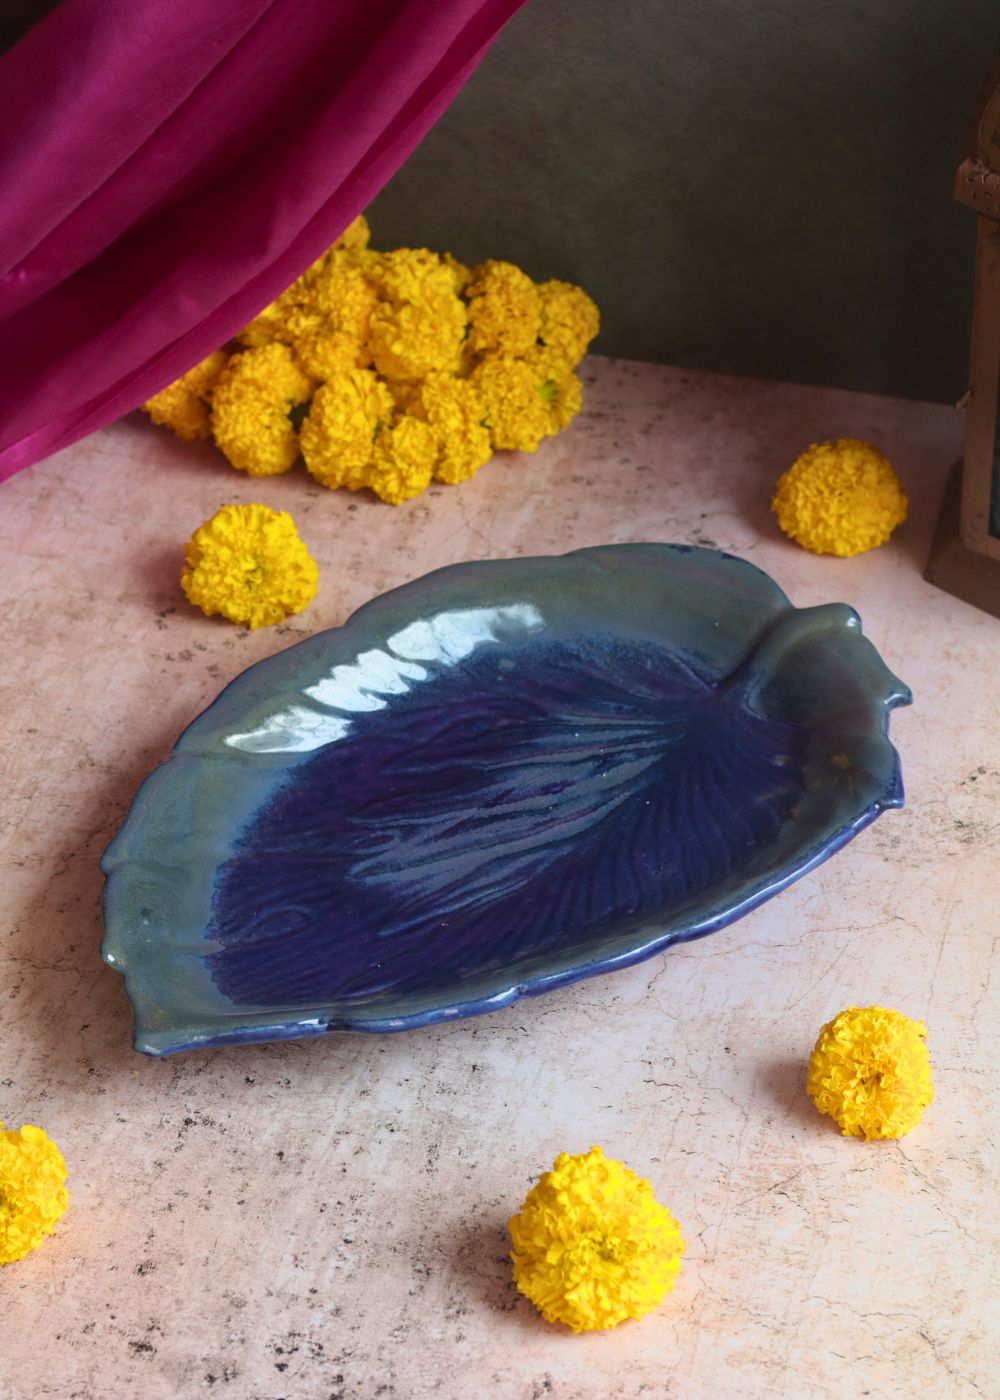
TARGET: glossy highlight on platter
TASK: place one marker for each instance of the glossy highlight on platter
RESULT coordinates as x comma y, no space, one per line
493,781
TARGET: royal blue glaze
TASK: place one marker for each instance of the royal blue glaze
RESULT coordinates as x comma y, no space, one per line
496,780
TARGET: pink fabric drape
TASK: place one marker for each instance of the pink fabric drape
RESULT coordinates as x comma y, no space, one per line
167,167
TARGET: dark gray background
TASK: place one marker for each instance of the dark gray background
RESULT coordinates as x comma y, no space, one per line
761,186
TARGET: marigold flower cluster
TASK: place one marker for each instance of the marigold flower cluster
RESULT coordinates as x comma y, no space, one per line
390,371
33,1194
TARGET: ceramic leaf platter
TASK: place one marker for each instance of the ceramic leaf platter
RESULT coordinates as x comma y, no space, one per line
490,782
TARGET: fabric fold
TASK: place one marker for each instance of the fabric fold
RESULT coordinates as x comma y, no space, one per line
169,167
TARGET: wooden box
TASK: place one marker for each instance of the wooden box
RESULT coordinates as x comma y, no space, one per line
965,556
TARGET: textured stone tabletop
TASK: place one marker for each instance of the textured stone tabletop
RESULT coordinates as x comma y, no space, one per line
326,1218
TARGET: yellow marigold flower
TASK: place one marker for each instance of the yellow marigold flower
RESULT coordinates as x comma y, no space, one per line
871,1073
33,1195
338,437
504,309
181,411
248,564
455,410
400,275
345,297
419,324
326,353
273,368
570,320
403,460
517,413
270,324
840,498
289,315
352,243
183,405
328,329
557,385
250,406
592,1246
412,339
203,378
300,319
301,288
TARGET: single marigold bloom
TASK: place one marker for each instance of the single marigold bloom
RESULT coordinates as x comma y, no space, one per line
557,385
570,320
183,405
517,413
328,327
455,410
272,368
403,460
277,321
248,564
871,1073
184,413
419,324
301,288
401,275
592,1246
338,437
412,339
300,319
250,406
33,1195
345,297
323,354
504,310
840,498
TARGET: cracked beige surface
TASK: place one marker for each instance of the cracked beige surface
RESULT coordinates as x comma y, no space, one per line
326,1219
